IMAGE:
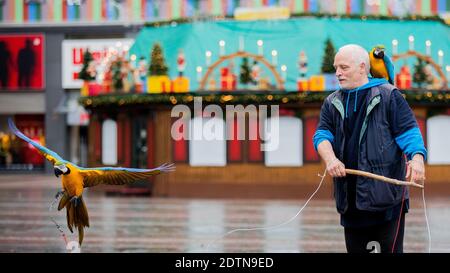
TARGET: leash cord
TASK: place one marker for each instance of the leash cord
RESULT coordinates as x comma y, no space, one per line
426,220
274,226
399,220
63,235
306,203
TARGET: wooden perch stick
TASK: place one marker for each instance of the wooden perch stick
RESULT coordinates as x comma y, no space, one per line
382,178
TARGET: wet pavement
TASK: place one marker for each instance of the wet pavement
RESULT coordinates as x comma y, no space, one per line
145,224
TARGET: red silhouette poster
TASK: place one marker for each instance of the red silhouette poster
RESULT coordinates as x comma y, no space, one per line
22,62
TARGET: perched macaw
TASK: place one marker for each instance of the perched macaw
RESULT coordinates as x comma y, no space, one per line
381,65
75,179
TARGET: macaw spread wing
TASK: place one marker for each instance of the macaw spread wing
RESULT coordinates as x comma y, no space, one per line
119,176
96,176
47,153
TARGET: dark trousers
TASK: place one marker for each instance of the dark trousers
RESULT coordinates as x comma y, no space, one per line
382,236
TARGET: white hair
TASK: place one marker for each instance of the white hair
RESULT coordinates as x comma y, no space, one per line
358,53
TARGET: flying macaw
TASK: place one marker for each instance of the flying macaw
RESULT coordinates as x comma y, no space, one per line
381,65
75,179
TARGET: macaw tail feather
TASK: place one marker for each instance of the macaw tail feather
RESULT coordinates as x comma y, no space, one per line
70,215
77,216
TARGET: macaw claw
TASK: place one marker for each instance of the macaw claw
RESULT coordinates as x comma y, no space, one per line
75,201
59,194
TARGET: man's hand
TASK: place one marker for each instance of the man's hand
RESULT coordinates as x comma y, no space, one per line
415,169
336,168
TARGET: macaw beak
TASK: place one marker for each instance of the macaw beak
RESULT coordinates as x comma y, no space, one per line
378,53
58,172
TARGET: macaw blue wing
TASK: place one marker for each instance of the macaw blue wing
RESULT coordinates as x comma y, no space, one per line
118,175
390,68
47,153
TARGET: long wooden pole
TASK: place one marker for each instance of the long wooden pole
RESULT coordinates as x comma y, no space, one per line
382,178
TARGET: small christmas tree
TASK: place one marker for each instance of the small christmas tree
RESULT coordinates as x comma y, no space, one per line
328,58
85,74
245,76
116,70
419,76
158,65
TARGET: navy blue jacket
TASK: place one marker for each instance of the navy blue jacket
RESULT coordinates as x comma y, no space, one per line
382,140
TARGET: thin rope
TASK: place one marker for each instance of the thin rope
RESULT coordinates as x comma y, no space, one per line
275,226
56,223
426,220
301,209
399,220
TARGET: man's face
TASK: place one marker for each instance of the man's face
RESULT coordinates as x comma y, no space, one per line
349,74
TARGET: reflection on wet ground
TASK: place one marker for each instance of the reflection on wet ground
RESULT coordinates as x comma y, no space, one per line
143,224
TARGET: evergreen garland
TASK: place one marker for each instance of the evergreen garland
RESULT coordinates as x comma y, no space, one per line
223,98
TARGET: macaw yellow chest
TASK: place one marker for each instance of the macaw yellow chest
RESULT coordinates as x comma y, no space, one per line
378,69
73,183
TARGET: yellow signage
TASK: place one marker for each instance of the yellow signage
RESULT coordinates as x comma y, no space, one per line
268,13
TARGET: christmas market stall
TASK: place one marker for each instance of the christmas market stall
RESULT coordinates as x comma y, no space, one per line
207,96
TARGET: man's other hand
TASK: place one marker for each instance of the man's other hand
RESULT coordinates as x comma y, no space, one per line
415,169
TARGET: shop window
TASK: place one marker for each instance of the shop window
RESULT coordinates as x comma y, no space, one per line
283,141
207,145
438,133
310,154
109,142
235,140
255,153
180,140
16,154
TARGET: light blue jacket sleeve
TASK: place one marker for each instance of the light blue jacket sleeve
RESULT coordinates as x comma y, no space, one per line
320,136
411,143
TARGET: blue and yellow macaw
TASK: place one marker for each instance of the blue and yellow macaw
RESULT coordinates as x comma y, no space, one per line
75,179
381,65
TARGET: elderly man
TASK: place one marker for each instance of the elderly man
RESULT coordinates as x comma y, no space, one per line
368,125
